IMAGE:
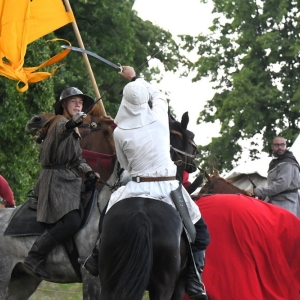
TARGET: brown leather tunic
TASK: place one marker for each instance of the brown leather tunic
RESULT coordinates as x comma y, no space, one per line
59,190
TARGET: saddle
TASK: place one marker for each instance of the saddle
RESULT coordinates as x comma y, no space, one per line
23,221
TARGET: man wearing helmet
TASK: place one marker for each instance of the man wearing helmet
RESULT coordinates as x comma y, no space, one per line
143,149
58,187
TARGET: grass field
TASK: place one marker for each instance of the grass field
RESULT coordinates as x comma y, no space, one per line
49,291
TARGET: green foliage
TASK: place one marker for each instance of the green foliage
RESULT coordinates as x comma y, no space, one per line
18,153
111,29
114,31
252,58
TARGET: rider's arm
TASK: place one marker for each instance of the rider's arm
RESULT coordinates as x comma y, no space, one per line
159,102
282,183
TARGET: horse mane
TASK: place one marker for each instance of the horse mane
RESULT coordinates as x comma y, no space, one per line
216,176
44,130
96,110
176,126
107,124
106,121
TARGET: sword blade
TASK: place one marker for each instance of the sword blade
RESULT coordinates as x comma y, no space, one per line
115,66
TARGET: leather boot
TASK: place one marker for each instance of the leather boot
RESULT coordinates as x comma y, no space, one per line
36,259
90,263
194,286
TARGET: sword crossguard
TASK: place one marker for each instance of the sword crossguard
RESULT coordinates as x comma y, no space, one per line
121,68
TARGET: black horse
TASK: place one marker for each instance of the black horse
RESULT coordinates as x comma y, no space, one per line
142,246
140,250
183,149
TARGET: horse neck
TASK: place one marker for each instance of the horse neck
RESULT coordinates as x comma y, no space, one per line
97,141
221,186
96,135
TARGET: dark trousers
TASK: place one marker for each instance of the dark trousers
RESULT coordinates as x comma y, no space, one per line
66,227
202,236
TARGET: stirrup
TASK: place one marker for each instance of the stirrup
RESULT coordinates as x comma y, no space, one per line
83,263
89,265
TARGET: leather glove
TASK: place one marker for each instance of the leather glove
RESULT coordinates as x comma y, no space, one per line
91,180
76,120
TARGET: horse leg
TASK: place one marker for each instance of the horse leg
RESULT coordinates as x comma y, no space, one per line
179,290
90,286
6,267
164,284
22,286
168,290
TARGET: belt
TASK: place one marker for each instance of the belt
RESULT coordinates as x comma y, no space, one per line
149,179
62,166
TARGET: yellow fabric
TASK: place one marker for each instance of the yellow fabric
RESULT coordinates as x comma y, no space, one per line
22,22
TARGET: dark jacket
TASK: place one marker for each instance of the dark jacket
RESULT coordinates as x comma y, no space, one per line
59,190
283,183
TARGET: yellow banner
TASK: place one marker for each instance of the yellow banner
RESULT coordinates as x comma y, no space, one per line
22,22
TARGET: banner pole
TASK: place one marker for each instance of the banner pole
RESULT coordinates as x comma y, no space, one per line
86,60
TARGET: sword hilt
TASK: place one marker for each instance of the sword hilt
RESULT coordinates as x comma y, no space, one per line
121,69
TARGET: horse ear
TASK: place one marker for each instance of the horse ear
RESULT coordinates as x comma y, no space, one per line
206,175
216,173
185,120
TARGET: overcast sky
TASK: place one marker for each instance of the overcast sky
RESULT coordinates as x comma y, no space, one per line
183,17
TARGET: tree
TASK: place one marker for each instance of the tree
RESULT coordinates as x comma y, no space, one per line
252,57
115,32
18,153
111,29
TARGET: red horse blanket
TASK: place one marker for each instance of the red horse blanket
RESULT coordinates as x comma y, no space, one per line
254,251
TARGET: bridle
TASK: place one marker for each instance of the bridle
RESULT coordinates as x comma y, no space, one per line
180,162
211,185
91,126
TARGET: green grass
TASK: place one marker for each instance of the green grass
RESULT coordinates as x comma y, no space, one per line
49,291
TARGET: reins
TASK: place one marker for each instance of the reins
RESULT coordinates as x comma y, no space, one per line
92,126
177,151
182,152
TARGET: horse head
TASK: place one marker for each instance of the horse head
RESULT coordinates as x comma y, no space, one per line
183,147
215,184
37,122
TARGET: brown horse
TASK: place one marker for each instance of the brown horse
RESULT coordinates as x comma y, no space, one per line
217,185
99,151
96,140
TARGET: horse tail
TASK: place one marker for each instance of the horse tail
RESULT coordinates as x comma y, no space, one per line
135,260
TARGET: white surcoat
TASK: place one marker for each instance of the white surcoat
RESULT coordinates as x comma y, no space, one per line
145,152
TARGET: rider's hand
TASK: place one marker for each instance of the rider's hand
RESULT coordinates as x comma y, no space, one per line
128,72
76,120
92,178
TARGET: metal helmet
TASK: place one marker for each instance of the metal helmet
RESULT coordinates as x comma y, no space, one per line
69,92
